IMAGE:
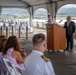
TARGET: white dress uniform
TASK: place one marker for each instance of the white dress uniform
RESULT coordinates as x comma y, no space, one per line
36,65
50,21
16,28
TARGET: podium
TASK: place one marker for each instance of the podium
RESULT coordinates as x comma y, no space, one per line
56,37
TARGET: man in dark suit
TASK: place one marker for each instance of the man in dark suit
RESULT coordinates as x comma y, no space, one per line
70,31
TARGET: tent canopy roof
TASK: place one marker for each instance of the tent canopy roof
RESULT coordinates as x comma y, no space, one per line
25,3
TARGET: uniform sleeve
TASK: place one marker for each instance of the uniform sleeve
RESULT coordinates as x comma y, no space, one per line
49,69
65,25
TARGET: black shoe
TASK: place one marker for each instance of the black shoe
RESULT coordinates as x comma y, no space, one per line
71,49
66,49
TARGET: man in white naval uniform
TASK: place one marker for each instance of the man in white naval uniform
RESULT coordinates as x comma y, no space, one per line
36,63
16,27
50,19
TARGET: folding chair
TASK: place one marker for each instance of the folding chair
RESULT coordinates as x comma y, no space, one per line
9,67
3,69
1,72
17,70
12,69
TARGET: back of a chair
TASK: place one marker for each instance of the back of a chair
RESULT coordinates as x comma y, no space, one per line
11,67
3,68
16,68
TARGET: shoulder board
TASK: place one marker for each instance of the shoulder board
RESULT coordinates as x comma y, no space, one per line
45,58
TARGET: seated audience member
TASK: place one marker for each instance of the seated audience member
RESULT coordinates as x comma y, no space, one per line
2,44
11,51
36,63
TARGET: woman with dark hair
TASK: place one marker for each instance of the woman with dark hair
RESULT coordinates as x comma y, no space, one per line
11,51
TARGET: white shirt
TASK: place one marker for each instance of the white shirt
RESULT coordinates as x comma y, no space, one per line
16,26
68,24
50,21
35,65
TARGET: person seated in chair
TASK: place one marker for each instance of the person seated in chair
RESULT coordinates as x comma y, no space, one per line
12,52
2,42
36,63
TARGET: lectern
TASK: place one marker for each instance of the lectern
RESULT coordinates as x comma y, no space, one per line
56,37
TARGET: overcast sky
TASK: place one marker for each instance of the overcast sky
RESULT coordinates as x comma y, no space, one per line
69,6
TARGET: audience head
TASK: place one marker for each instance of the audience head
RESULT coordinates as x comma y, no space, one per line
2,42
49,16
20,23
4,23
39,42
15,22
12,41
69,18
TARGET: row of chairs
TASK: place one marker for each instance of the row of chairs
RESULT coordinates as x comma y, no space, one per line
6,68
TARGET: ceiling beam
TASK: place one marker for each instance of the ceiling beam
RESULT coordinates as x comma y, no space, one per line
26,3
41,4
54,1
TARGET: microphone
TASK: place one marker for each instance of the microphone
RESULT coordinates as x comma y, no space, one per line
60,21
